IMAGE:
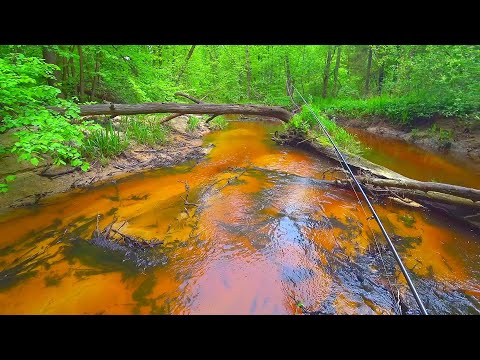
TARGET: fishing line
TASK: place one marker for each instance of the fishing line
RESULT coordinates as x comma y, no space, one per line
375,216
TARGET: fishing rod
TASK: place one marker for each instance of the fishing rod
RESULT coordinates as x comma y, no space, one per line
375,216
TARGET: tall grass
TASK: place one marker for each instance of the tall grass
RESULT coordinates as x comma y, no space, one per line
193,123
219,123
402,110
145,130
104,143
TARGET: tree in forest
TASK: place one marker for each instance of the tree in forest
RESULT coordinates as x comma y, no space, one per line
326,72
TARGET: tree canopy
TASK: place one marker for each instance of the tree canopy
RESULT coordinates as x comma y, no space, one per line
399,82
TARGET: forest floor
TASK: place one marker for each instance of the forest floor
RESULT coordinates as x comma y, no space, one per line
457,138
35,183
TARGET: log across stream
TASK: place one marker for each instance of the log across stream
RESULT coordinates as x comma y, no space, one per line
254,228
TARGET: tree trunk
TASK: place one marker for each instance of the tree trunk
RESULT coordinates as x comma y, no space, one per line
289,77
381,74
249,74
203,108
326,72
184,67
335,72
72,64
96,76
369,70
50,57
82,80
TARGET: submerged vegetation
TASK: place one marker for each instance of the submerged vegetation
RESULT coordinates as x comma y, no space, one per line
398,83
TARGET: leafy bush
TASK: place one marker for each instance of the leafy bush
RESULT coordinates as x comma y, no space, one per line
23,108
104,143
193,123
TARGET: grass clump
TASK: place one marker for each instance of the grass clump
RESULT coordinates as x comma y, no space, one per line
193,123
219,123
145,130
104,143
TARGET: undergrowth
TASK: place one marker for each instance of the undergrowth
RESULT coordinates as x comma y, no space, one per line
403,110
193,123
145,130
305,123
104,143
219,123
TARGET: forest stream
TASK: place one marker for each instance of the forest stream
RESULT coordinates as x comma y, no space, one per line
250,229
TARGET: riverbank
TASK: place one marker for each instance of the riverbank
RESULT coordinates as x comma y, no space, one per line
452,137
35,183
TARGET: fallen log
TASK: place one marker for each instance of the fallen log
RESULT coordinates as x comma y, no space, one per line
460,191
202,108
381,181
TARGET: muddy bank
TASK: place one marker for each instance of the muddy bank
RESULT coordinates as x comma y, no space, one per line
35,183
453,137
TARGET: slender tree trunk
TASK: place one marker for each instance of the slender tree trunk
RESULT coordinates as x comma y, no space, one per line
369,70
289,77
82,80
96,76
72,64
326,72
184,67
381,74
249,73
335,72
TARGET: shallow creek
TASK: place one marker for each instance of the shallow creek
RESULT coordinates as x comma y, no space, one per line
264,235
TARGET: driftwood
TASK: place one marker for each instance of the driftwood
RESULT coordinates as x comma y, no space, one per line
177,108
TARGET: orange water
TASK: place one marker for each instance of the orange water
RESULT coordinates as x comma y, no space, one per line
417,163
257,244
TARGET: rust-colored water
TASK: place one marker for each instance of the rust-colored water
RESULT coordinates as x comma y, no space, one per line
414,162
259,241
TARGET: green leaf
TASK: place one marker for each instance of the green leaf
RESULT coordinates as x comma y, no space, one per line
85,166
10,178
34,161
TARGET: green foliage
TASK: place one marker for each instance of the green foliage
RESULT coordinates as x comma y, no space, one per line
104,143
443,135
192,123
219,123
145,130
405,82
40,132
305,123
4,183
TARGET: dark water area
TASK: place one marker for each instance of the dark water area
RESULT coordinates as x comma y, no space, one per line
264,235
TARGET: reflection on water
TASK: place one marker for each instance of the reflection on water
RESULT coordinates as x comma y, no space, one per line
415,162
264,234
